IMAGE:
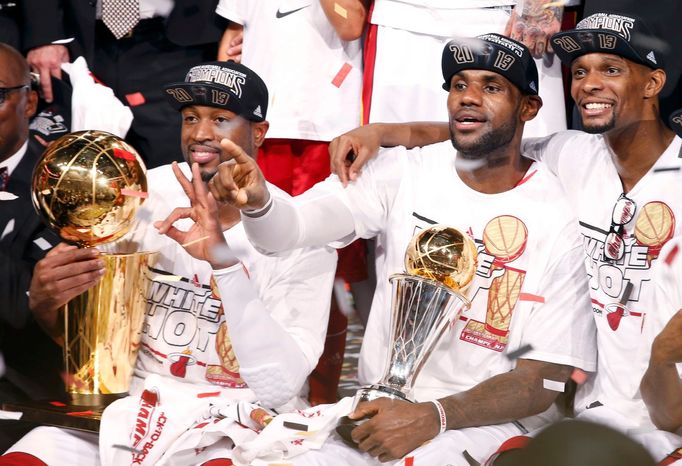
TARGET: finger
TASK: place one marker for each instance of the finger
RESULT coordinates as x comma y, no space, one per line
234,152
184,182
176,235
46,83
508,27
356,167
61,247
222,185
177,214
69,255
364,409
237,40
199,186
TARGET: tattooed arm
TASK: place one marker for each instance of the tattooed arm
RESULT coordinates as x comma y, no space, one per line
533,22
398,427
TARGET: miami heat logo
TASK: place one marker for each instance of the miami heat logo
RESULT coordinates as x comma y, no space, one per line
504,237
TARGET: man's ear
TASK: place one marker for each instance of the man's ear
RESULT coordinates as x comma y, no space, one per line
654,84
258,131
31,103
530,107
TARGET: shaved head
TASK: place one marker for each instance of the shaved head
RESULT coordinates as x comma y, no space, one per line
16,66
19,104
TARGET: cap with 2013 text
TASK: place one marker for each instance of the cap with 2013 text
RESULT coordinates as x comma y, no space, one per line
625,36
491,52
227,85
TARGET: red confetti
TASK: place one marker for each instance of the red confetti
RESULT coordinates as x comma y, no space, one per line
409,461
80,413
207,394
578,376
671,255
531,297
341,75
133,193
123,154
57,403
135,99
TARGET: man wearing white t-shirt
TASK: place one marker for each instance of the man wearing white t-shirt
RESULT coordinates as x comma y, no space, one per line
623,182
222,318
662,382
529,287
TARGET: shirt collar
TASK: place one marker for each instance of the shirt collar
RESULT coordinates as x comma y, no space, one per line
12,162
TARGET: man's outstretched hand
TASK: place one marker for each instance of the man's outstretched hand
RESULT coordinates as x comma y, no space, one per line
205,237
239,182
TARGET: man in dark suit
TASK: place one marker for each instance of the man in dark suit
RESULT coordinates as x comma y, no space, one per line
32,360
168,38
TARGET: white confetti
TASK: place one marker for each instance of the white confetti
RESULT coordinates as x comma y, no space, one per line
9,228
42,243
553,385
7,196
12,415
168,278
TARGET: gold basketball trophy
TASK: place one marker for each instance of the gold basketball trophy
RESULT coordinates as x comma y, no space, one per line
440,262
88,187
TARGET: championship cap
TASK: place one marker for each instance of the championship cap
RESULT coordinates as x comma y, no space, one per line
222,84
491,52
626,36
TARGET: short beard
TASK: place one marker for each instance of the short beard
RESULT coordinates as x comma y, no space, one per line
206,176
600,129
487,143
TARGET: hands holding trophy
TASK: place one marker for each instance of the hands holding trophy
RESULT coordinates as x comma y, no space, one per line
88,187
440,262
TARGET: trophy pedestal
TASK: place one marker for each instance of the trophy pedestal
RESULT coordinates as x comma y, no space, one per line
373,392
59,414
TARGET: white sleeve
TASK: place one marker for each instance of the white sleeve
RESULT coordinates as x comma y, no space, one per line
561,329
666,297
233,10
547,149
279,336
328,213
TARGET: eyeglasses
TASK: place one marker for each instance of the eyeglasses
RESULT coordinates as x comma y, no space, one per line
623,213
6,90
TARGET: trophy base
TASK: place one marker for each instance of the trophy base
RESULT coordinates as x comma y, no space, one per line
72,410
346,425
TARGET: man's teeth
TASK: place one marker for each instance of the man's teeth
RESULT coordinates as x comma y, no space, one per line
597,106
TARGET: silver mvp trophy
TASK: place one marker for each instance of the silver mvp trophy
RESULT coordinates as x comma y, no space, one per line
440,262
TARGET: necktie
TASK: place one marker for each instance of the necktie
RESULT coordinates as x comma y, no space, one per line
120,16
4,178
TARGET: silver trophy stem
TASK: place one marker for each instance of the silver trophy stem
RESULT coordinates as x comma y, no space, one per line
421,311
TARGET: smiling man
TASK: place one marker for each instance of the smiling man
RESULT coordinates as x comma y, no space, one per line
529,288
222,319
622,180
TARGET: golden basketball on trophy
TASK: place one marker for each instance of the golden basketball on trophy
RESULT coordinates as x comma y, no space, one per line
88,187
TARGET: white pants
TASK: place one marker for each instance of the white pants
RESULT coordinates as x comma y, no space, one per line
60,447
407,81
444,450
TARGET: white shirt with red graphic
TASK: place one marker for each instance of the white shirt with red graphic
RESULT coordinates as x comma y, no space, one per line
583,163
264,318
530,287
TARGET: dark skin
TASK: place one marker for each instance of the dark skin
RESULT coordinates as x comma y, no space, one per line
481,104
630,118
661,385
68,271
634,131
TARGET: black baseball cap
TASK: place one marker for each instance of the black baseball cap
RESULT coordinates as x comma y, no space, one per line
223,84
491,52
625,36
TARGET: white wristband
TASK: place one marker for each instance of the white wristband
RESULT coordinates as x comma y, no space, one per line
441,416
259,212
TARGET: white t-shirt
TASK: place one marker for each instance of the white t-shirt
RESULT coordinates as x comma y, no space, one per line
297,52
584,165
667,294
276,309
529,256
